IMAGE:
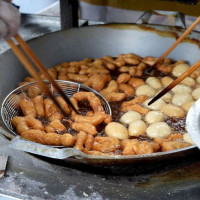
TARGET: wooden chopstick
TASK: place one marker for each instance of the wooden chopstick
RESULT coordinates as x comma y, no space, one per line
39,65
175,82
171,48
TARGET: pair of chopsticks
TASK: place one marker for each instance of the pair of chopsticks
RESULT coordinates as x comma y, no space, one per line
23,59
186,73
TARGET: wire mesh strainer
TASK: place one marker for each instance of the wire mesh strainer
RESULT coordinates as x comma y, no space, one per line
10,106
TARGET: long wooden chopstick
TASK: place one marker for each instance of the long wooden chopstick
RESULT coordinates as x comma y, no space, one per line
175,82
39,65
171,48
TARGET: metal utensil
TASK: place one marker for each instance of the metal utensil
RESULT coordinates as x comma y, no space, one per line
10,106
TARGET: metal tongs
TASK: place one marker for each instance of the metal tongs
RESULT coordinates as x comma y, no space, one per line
18,52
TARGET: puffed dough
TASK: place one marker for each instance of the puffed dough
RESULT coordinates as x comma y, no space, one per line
145,90
196,93
154,116
166,80
179,99
137,128
158,129
117,130
154,106
181,88
167,97
180,69
154,83
186,106
130,116
198,79
187,138
188,81
172,111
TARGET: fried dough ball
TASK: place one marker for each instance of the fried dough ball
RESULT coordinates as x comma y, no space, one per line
130,116
167,97
137,128
166,80
116,130
188,81
145,90
106,144
180,69
154,106
181,88
196,93
153,117
158,129
180,99
154,83
172,111
135,147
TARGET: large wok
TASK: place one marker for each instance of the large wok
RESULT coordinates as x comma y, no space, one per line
97,41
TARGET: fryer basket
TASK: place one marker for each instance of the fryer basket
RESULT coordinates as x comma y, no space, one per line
10,106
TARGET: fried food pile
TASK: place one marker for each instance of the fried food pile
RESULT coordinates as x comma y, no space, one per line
128,82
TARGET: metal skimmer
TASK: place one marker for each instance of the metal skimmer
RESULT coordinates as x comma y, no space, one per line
10,106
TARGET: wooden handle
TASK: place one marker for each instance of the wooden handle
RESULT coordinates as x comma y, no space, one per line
27,65
40,66
170,49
